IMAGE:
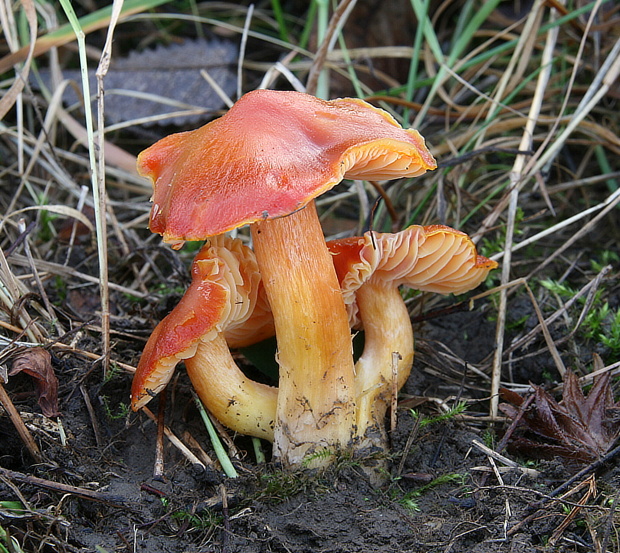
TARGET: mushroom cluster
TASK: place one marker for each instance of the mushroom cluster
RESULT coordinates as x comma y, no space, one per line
263,163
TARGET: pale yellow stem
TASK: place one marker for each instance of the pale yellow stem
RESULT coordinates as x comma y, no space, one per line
238,402
387,330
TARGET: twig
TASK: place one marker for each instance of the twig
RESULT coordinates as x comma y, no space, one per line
175,441
515,422
158,469
516,182
559,364
200,452
590,484
386,200
21,428
98,191
592,467
335,25
602,82
113,500
592,285
585,229
611,200
21,225
508,462
91,413
225,515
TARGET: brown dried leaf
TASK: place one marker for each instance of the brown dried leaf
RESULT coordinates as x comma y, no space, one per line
37,362
153,82
579,427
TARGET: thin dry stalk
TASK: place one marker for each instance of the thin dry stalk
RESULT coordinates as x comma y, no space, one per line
559,364
99,188
583,231
516,183
11,292
158,469
590,492
612,200
602,82
21,428
200,452
336,22
11,96
175,441
91,413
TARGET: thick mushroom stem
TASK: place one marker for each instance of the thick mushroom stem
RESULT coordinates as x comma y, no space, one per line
388,355
316,406
246,406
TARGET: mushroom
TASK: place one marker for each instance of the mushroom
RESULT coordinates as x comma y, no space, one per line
371,269
263,163
225,306
225,295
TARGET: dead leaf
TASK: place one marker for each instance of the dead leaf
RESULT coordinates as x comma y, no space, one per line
162,80
578,428
37,362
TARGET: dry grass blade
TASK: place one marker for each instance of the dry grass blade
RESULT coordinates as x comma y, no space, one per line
22,429
516,182
10,97
97,20
590,493
175,440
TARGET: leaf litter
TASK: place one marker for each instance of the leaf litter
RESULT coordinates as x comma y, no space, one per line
580,427
154,84
37,363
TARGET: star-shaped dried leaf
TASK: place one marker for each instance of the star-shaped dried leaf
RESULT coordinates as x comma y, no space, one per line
162,81
37,362
578,428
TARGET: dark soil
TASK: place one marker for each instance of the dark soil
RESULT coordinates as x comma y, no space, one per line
441,496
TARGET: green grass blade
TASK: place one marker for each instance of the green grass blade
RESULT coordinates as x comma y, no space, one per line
220,453
64,34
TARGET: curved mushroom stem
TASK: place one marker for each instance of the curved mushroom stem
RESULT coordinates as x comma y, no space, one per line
238,402
388,336
225,304
316,402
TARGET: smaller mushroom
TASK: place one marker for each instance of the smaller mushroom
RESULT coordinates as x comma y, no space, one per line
371,269
225,295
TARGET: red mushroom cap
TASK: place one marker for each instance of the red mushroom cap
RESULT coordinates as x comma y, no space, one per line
269,155
225,293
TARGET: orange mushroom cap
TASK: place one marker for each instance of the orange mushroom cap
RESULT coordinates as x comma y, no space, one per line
269,155
434,258
225,294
